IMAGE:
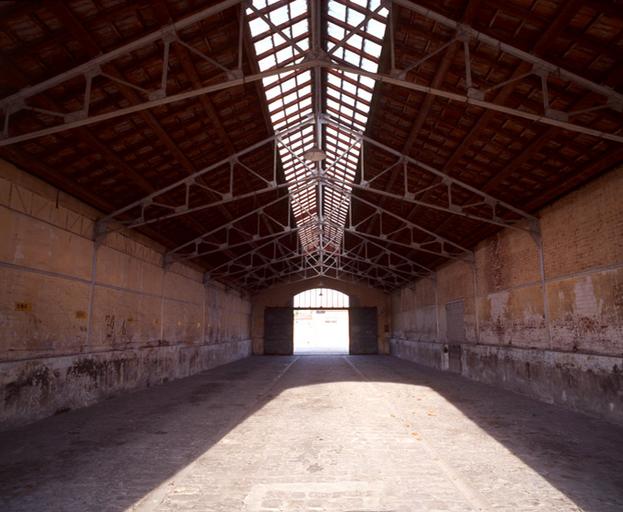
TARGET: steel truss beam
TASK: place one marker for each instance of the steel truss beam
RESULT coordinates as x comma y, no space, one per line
445,180
303,275
311,272
550,117
68,124
311,263
353,260
254,269
102,226
230,227
322,261
228,245
468,256
449,249
335,262
297,262
168,36
385,251
91,69
495,206
273,238
189,250
322,268
297,278
100,60
332,261
338,261
229,265
541,66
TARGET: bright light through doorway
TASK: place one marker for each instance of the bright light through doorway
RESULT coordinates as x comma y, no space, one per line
321,322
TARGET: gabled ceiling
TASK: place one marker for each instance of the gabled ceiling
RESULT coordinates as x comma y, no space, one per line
441,122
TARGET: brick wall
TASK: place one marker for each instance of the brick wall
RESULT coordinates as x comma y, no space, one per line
414,310
79,321
556,335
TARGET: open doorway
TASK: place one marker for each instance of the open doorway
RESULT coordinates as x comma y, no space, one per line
321,319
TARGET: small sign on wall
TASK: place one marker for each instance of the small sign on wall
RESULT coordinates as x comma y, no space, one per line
23,306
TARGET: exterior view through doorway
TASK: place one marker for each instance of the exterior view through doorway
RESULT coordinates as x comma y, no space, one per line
321,322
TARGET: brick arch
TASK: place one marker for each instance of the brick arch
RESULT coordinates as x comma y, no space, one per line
338,295
355,292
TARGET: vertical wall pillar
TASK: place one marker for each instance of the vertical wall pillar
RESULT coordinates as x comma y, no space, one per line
97,241
206,280
162,289
434,278
538,240
476,311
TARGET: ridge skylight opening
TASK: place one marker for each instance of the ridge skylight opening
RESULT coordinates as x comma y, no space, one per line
280,34
354,34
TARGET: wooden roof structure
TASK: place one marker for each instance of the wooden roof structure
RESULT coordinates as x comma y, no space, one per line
369,140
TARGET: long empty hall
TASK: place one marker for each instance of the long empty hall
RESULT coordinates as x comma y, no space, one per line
311,255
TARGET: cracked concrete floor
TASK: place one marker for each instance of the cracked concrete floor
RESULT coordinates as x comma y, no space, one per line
315,433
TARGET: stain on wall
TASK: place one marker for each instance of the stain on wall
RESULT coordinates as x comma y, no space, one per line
559,339
80,322
587,313
415,311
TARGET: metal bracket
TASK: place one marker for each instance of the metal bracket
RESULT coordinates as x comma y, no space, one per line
615,104
100,230
235,74
167,261
476,94
464,33
558,115
535,232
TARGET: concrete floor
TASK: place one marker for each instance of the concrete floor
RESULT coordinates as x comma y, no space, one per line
363,433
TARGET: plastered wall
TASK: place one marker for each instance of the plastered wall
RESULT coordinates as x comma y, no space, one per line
556,334
79,321
282,295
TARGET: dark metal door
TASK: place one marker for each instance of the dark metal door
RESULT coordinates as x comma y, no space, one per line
363,331
455,319
278,331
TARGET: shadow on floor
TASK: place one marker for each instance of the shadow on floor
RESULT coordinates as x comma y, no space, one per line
109,456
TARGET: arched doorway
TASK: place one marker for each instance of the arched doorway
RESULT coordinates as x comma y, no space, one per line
321,322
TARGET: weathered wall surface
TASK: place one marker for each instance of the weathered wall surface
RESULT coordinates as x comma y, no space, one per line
79,322
556,335
282,295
